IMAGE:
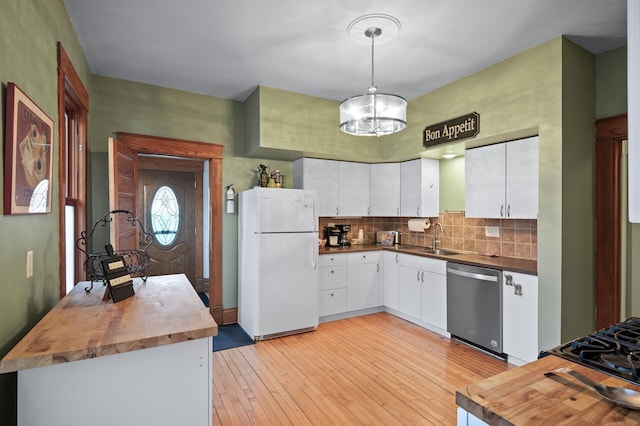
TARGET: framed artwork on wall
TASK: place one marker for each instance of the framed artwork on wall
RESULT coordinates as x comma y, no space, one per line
28,156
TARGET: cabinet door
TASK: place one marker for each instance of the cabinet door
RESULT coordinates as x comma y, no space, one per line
434,299
420,188
354,189
323,177
390,280
520,315
485,181
363,286
409,291
385,189
333,301
522,179
410,188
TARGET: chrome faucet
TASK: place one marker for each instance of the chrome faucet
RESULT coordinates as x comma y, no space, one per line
435,234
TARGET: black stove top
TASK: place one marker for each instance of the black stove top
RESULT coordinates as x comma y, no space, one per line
614,350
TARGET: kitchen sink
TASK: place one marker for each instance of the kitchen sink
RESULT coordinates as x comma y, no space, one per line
439,252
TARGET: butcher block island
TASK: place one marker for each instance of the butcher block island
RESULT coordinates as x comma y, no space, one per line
144,360
525,396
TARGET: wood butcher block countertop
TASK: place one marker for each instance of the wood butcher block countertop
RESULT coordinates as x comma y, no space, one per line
525,396
497,262
166,309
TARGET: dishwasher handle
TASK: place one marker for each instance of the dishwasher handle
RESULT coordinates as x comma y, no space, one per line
476,276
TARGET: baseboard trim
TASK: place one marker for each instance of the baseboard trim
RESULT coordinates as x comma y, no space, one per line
229,316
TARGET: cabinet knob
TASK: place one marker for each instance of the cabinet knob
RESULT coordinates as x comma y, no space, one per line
517,289
508,210
331,294
508,279
332,271
502,210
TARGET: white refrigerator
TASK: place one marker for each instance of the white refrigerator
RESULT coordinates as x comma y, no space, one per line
278,275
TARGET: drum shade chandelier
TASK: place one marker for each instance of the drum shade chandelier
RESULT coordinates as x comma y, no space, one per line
373,113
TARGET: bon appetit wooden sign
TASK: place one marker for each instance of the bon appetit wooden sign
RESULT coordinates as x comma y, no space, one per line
464,127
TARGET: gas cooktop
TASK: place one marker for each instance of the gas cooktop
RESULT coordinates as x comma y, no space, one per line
614,350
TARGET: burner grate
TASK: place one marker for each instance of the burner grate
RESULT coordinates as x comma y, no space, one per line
614,350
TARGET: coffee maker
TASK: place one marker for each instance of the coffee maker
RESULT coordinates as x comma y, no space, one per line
343,239
332,235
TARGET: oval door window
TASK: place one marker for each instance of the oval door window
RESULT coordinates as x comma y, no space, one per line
165,216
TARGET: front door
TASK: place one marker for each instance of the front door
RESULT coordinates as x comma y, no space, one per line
167,205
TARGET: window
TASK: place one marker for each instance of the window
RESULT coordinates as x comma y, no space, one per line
73,109
165,216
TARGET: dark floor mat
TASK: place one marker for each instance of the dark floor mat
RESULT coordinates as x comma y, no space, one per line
230,336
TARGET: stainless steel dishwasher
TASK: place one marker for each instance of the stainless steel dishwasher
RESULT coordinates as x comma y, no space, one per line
474,305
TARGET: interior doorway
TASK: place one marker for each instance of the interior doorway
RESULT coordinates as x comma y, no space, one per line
610,220
123,157
170,193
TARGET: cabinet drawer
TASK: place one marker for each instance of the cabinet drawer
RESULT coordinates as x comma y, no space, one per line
333,301
333,277
437,266
332,259
363,257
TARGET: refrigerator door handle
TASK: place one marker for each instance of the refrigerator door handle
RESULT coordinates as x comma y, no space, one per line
314,248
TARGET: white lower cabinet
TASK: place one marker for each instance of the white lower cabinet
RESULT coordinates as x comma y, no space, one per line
434,299
333,284
409,291
390,280
422,289
520,317
350,282
364,276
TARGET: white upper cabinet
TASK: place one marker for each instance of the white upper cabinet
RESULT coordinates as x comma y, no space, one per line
323,176
385,189
501,181
420,188
354,189
522,179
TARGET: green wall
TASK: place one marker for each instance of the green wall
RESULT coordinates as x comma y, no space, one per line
126,106
611,83
452,185
30,30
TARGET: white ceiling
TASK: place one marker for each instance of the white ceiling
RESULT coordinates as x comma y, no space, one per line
228,48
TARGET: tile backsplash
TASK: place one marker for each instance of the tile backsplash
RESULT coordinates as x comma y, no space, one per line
517,237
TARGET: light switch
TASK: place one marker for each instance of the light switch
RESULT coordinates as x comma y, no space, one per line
492,231
29,263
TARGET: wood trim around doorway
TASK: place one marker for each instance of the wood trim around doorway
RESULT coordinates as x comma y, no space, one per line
212,153
610,132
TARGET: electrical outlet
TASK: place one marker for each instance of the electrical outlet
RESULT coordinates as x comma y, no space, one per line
492,231
29,263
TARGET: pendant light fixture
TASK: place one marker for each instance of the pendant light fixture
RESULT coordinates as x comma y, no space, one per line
373,113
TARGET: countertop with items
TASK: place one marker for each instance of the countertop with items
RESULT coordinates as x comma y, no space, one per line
524,395
164,310
524,266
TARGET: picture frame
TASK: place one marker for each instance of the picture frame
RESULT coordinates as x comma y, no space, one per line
28,159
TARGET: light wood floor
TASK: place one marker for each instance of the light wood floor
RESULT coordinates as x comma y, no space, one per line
374,369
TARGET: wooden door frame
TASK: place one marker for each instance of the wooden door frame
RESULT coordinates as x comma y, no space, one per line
610,132
212,153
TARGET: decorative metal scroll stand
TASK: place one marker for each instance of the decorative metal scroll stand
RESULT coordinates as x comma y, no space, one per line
136,260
